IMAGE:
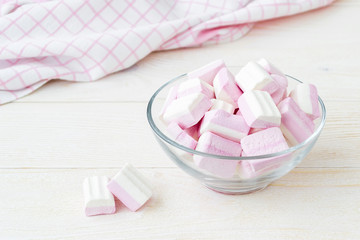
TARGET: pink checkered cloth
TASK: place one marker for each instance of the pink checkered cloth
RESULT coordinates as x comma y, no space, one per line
86,40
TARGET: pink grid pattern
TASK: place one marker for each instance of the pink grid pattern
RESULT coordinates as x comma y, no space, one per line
86,40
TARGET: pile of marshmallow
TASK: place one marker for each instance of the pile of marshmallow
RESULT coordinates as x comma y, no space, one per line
128,185
250,114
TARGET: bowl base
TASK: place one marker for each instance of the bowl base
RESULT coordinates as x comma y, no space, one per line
239,191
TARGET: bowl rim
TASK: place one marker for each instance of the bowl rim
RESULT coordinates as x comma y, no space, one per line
163,136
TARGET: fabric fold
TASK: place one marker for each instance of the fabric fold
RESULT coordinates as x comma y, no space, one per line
86,40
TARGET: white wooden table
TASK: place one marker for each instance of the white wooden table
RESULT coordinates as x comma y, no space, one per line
51,140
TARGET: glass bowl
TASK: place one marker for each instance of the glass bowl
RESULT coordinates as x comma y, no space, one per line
244,181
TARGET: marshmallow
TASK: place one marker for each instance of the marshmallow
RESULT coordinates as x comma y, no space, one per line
195,85
263,142
281,93
270,68
130,187
193,131
220,104
224,124
98,199
255,130
180,136
259,110
253,77
295,124
281,80
306,96
172,95
214,144
267,141
188,110
225,87
207,73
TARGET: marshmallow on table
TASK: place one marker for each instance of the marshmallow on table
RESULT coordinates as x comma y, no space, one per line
295,124
195,85
259,109
306,96
225,87
181,136
267,141
207,73
220,104
214,144
98,199
188,110
224,124
130,187
253,77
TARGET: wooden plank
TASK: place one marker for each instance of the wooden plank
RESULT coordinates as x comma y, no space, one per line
93,135
305,204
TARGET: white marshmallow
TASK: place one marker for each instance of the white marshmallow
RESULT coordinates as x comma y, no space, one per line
220,104
259,109
306,96
195,85
254,77
98,199
188,110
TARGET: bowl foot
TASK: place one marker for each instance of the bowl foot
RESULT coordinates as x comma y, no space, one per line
237,191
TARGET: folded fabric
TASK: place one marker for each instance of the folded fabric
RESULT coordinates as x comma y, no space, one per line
86,40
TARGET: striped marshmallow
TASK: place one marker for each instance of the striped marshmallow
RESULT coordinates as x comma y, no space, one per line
130,187
253,77
188,110
208,72
259,110
220,104
195,85
306,96
98,199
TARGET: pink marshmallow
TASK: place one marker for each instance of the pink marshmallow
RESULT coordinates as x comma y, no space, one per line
93,211
181,136
130,187
224,124
270,68
281,80
225,87
195,85
306,96
208,72
281,93
193,131
255,130
172,95
214,144
295,124
268,141
263,142
259,110
188,110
